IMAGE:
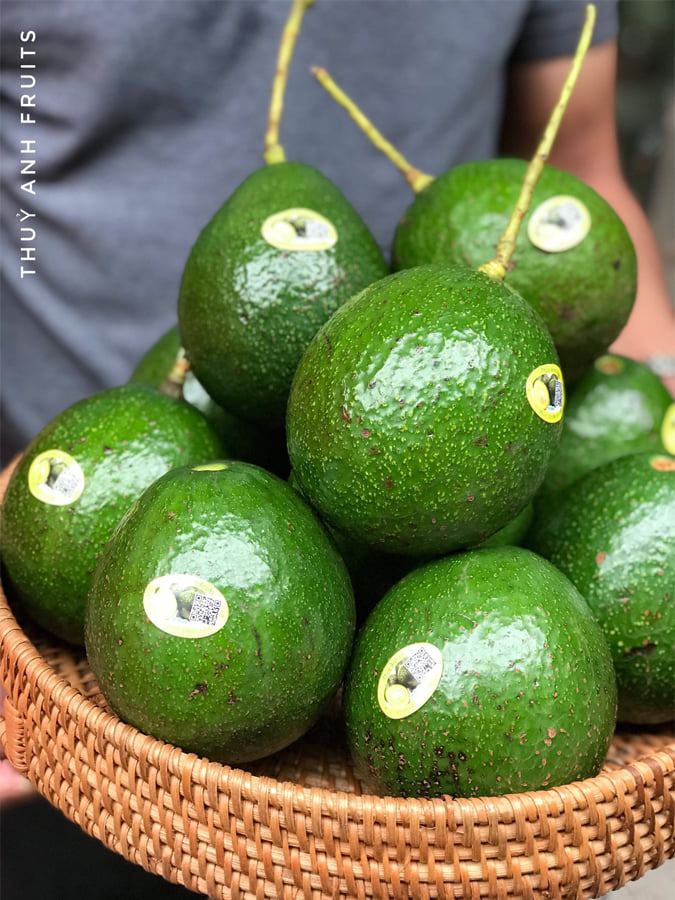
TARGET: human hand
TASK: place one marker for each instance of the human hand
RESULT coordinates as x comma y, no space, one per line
13,786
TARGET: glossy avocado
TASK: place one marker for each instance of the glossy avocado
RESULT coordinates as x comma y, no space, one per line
412,423
613,534
221,616
618,408
584,293
245,441
509,685
74,482
247,307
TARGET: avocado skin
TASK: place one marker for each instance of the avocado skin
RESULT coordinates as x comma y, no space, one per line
260,681
584,294
513,532
409,427
613,534
123,438
607,416
243,440
247,310
527,698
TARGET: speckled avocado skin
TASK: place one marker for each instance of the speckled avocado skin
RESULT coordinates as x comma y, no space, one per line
240,438
409,426
584,294
613,534
527,697
247,310
123,438
259,682
616,409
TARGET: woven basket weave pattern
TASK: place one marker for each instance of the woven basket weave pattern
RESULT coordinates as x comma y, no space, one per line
298,826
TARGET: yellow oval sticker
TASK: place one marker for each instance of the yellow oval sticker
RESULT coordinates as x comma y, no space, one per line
609,365
546,392
185,606
55,478
299,229
211,467
668,429
409,679
558,224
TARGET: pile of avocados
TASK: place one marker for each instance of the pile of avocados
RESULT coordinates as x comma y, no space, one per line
336,482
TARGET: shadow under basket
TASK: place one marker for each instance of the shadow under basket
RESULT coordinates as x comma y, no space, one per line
297,825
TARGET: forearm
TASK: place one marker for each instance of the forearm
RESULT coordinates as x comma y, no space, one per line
651,327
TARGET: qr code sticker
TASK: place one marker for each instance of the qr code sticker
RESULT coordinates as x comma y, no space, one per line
420,664
205,609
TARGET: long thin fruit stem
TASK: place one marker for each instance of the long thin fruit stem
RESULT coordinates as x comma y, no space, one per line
416,179
498,266
274,152
172,386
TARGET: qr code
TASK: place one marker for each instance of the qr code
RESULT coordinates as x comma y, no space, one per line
316,230
420,664
66,482
205,609
557,394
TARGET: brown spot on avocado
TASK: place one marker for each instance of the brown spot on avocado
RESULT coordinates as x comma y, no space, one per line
645,649
201,687
600,557
346,415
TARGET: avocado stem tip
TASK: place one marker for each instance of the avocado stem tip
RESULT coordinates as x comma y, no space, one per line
172,386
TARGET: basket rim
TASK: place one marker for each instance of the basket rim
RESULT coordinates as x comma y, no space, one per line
37,675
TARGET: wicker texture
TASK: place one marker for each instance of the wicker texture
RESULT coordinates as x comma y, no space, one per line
298,826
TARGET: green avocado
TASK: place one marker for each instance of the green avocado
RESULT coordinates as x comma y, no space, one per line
584,293
613,534
617,408
513,532
74,482
512,689
221,617
410,424
247,442
273,264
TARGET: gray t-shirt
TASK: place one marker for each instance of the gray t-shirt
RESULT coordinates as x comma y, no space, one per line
150,112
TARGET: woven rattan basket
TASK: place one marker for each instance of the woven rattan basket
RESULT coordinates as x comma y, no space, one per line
297,825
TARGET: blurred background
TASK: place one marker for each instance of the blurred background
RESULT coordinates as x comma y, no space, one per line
43,855
646,113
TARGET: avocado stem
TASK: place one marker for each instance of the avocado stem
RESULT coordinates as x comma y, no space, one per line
497,267
416,179
274,152
172,386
